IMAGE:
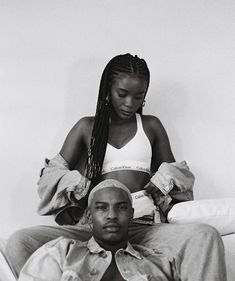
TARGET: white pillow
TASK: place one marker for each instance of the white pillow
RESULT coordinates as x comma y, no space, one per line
219,213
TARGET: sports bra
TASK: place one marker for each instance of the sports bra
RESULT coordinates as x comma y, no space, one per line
135,155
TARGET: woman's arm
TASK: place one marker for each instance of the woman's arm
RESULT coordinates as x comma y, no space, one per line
61,186
171,182
74,149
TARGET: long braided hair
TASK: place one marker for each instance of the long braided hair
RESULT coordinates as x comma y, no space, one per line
126,64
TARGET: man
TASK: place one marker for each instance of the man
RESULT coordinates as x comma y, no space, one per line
107,255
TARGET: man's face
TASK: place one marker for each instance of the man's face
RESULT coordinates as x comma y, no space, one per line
111,213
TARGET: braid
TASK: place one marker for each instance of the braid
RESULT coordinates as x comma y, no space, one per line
127,64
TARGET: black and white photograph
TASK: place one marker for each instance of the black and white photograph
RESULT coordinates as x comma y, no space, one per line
117,140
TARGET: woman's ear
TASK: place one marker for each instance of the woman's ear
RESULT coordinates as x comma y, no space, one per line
107,100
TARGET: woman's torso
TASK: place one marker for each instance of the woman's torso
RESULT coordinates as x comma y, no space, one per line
124,137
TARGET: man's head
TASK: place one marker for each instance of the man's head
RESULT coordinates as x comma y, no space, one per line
110,205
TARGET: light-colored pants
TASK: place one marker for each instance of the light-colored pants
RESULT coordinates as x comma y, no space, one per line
197,249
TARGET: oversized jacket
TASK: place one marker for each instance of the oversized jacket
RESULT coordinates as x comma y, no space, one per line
63,191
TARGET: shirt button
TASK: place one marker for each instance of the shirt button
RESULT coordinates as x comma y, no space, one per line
125,270
167,188
103,255
93,272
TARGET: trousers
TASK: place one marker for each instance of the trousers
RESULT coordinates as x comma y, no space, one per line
196,249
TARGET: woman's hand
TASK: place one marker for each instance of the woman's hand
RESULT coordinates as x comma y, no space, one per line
155,192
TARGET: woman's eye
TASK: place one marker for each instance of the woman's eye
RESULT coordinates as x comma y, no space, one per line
121,95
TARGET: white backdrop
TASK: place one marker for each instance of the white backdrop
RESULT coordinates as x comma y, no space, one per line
52,54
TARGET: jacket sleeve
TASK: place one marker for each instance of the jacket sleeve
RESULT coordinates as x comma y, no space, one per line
62,191
46,264
175,181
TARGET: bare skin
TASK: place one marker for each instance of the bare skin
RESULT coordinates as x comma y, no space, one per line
127,95
111,213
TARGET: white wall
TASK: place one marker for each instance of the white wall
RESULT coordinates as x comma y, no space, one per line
52,54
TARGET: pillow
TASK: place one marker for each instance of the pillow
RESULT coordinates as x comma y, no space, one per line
219,213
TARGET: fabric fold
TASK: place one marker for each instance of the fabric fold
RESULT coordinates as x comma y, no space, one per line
175,181
61,191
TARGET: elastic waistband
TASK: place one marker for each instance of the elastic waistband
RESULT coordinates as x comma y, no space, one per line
128,165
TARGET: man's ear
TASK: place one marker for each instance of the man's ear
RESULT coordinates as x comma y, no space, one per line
89,213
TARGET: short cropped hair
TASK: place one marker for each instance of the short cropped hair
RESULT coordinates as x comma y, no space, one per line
109,183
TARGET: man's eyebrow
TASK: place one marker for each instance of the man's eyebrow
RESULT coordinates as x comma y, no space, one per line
101,202
104,202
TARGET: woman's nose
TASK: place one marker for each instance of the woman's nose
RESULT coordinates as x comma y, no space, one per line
128,102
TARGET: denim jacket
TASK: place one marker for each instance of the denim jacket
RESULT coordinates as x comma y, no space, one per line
65,259
62,190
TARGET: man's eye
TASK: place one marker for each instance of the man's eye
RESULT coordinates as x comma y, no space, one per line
123,207
102,208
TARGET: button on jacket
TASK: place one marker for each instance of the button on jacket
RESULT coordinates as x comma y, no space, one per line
69,260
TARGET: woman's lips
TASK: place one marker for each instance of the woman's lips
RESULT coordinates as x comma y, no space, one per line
127,113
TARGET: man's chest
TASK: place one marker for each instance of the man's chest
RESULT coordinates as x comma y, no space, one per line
112,273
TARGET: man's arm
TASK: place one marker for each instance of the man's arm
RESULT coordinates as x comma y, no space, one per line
44,265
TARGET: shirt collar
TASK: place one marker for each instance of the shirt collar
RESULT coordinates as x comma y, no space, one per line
95,248
129,249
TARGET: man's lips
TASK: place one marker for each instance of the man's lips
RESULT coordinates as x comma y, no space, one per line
112,227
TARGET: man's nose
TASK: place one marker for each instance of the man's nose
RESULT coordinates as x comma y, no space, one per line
112,213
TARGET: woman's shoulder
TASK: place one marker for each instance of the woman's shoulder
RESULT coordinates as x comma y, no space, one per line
85,124
80,132
151,122
153,127
87,120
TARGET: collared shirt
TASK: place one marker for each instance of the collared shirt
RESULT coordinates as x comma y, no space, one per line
65,259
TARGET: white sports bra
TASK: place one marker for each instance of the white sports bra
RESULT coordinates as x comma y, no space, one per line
135,155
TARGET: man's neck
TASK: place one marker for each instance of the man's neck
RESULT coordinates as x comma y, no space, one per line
113,248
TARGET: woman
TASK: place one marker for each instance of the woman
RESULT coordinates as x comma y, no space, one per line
122,144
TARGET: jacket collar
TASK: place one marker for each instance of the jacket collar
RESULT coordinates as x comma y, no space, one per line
95,248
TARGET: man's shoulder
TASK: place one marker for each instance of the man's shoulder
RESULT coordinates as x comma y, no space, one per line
64,244
147,252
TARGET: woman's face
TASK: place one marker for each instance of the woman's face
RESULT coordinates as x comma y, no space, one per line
127,95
